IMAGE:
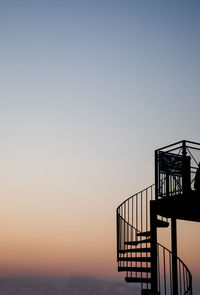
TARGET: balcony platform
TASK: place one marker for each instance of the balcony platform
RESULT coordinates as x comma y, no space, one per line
183,207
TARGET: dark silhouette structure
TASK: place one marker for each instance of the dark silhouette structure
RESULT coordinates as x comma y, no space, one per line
197,179
175,195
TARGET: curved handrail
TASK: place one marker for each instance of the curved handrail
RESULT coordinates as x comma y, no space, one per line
150,186
133,217
185,270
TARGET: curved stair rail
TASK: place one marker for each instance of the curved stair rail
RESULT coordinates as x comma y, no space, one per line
134,247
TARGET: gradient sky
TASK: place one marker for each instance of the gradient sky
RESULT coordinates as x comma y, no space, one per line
89,89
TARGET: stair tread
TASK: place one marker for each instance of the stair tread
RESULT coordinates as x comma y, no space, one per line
134,269
137,280
135,243
161,223
140,259
144,234
135,250
149,292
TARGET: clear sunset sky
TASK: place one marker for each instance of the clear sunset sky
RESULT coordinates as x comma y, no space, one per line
88,91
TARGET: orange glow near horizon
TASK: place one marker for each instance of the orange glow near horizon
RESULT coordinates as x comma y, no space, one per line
47,243
43,241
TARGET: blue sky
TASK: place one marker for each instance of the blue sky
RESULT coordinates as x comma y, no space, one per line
89,89
118,74
133,63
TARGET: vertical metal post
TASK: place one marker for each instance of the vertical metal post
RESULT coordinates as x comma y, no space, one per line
153,218
174,256
117,235
184,168
156,175
186,171
167,185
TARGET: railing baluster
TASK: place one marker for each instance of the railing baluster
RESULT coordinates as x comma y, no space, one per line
184,278
141,224
125,228
158,250
164,270
170,270
180,278
141,228
136,213
132,229
147,229
128,220
136,227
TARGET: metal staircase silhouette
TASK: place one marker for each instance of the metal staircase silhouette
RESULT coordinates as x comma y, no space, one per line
144,260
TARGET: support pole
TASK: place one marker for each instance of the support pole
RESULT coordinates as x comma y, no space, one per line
186,171
153,218
174,256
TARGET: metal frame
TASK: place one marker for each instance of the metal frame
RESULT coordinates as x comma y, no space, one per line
169,184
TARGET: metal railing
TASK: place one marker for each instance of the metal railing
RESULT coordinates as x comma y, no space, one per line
175,168
165,280
133,218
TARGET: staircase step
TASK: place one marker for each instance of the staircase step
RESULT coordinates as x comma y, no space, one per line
161,223
135,269
135,243
144,234
137,280
140,259
135,250
149,292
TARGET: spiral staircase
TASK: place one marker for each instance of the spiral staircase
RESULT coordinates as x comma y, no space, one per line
175,195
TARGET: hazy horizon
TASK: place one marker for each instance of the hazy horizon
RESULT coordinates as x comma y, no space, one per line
72,286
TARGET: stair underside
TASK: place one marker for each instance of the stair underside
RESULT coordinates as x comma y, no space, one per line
135,250
137,280
134,269
135,243
140,259
180,206
149,292
161,223
144,234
